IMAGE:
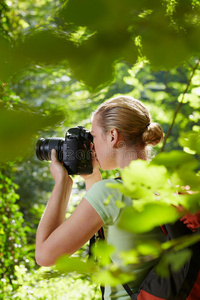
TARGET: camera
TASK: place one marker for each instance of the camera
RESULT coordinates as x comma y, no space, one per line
73,151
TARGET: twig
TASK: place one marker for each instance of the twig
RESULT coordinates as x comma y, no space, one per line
166,82
179,106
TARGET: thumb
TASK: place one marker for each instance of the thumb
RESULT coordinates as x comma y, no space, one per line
53,155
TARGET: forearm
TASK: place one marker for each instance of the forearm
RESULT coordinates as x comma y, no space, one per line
55,211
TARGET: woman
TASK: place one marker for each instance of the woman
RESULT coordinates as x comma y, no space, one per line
121,130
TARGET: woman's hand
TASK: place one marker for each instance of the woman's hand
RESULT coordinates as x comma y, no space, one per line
95,164
95,176
58,171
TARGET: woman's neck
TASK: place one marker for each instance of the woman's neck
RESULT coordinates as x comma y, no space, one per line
125,156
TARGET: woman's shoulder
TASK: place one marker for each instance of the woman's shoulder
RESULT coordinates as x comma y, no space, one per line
110,180
106,183
104,188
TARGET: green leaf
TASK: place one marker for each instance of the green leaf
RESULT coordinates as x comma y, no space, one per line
181,242
175,160
2,231
147,183
173,260
100,15
151,216
10,61
192,99
120,204
191,141
98,55
66,264
150,248
93,62
112,277
189,179
129,257
45,46
192,202
81,13
142,174
18,130
164,36
103,252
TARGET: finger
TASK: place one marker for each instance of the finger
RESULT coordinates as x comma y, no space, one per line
91,146
93,153
53,155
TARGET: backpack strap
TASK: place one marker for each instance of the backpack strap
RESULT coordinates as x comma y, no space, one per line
101,233
102,291
128,290
91,242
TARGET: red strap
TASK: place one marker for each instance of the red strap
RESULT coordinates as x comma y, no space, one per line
146,296
101,233
195,292
164,230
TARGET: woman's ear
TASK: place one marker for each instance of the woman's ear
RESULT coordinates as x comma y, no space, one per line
114,136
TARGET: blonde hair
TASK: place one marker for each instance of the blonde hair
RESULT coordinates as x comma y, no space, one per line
131,118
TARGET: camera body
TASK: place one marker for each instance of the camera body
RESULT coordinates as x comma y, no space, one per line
73,150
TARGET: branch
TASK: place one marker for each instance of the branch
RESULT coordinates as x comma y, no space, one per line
179,106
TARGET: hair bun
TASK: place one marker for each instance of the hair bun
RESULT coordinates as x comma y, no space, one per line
153,134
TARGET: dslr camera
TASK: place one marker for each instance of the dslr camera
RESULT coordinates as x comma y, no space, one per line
73,151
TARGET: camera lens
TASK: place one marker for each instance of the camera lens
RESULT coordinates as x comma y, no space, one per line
44,147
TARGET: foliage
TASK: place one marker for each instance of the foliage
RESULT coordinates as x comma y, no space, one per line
59,61
76,35
36,286
154,194
172,253
20,127
101,273
12,232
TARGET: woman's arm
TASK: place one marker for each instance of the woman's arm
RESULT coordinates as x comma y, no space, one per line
55,235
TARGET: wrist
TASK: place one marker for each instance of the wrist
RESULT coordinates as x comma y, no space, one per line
64,181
